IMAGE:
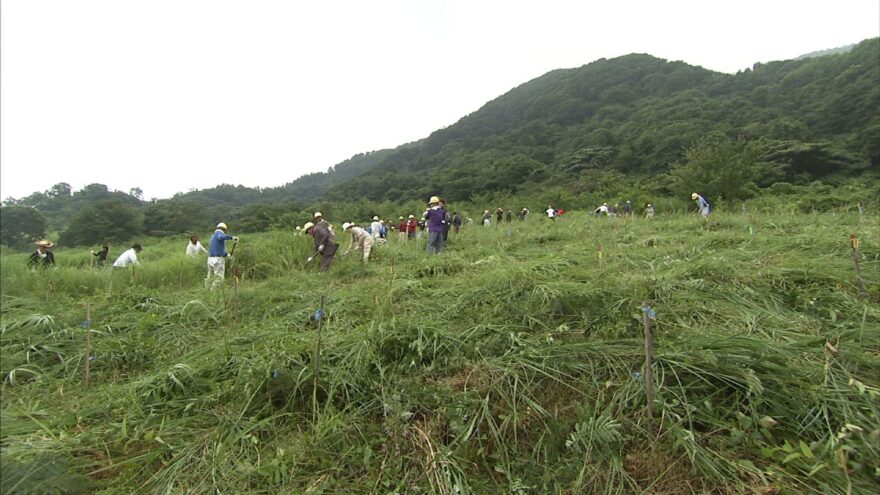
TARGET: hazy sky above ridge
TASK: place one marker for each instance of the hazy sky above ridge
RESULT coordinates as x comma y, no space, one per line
174,95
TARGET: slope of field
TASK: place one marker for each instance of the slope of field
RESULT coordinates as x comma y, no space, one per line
512,363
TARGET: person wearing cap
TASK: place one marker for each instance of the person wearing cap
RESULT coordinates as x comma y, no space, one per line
42,256
194,247
325,240
435,218
129,257
702,205
360,239
412,226
217,256
649,211
102,254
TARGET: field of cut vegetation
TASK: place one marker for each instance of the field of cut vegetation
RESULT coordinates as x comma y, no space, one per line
514,363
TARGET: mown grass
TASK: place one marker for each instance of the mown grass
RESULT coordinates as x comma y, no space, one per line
512,363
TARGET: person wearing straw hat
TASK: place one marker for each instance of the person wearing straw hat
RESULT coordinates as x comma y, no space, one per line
435,218
360,239
42,256
128,257
217,256
702,205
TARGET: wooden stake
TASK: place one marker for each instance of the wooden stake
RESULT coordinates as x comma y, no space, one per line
649,366
317,366
88,325
854,243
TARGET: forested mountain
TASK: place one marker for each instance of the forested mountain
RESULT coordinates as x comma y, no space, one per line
635,116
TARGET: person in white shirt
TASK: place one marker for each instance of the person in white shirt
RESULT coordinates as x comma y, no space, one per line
375,228
128,257
551,213
195,247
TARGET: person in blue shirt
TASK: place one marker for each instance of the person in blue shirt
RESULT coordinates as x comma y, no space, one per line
702,205
217,256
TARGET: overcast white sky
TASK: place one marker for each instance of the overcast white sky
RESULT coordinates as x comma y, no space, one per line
173,95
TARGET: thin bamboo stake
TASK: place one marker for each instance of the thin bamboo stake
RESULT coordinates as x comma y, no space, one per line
88,326
854,243
317,365
649,366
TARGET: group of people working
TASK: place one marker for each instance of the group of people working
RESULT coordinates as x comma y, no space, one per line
435,219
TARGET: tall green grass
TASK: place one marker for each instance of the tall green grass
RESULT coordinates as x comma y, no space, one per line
512,363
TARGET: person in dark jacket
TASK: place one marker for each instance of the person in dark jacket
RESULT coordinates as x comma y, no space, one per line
499,215
102,254
325,240
435,218
42,256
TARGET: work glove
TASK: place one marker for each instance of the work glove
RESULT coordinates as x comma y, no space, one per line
320,248
310,259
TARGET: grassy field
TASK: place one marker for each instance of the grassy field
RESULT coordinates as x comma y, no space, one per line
514,363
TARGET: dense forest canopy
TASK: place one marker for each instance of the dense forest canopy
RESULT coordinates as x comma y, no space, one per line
652,124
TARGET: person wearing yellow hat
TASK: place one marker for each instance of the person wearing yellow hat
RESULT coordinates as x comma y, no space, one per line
360,239
42,256
435,218
702,205
217,256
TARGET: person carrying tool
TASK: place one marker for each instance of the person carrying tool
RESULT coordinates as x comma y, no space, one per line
702,205
102,254
360,239
325,240
217,256
42,256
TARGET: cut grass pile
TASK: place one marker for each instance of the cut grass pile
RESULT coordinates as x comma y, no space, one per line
512,363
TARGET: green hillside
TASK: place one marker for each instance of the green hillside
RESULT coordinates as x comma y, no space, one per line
655,125
514,363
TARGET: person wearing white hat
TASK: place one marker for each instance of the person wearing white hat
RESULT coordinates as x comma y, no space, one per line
649,211
325,240
376,228
412,227
42,256
360,239
217,256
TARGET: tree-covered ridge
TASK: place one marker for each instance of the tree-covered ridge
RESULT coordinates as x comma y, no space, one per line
639,114
572,131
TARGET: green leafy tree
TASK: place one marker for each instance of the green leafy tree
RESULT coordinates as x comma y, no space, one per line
106,220
164,218
21,225
721,167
